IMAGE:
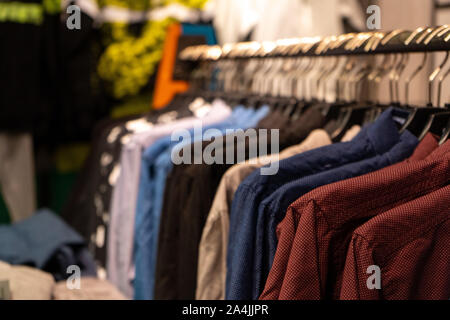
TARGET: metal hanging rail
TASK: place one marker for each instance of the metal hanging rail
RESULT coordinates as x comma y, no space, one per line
424,39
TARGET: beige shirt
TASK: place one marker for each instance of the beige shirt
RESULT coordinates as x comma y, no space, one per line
26,283
211,272
90,289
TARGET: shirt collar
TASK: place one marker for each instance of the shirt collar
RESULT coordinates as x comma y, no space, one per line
384,133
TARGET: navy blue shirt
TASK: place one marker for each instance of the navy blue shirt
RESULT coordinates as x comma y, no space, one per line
253,218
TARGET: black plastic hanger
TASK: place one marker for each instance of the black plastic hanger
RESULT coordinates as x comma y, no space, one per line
436,124
353,113
419,117
418,120
348,117
445,135
299,108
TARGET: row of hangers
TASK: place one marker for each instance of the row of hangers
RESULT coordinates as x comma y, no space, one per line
294,75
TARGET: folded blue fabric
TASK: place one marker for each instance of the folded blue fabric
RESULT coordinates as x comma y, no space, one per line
46,242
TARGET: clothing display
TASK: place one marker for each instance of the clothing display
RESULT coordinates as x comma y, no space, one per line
239,119
239,150
202,181
273,236
258,204
213,245
88,209
221,220
334,227
120,247
182,226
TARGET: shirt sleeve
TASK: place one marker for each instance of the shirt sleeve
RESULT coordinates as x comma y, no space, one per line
211,269
175,193
286,233
355,277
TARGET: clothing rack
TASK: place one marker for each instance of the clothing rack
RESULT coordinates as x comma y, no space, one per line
426,39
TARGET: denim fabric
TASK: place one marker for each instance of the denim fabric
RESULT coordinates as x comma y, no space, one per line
156,165
46,242
247,219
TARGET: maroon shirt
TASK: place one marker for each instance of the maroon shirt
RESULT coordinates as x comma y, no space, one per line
316,232
411,246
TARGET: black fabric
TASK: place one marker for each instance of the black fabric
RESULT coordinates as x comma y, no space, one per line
48,85
188,196
275,119
81,102
21,49
298,130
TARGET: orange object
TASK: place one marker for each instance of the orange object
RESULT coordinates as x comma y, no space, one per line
166,87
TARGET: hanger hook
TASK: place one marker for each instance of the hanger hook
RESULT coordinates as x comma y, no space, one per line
393,74
413,75
433,76
402,67
441,79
